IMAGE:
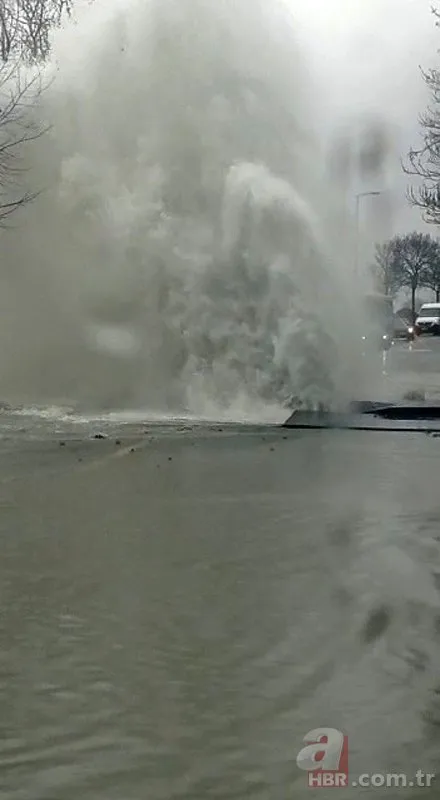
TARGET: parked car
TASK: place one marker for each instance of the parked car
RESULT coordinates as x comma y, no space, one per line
428,320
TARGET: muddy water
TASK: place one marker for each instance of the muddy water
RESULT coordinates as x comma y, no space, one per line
180,608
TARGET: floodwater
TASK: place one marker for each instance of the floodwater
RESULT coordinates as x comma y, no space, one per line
183,603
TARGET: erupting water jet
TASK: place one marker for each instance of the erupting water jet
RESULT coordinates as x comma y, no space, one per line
189,250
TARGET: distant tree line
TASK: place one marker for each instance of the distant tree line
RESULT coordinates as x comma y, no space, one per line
409,262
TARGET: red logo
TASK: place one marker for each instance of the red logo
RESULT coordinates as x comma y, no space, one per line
325,758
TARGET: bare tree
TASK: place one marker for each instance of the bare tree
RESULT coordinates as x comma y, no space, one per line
36,20
410,259
384,268
424,161
25,27
431,278
9,28
18,127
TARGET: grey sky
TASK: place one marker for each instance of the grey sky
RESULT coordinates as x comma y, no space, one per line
365,57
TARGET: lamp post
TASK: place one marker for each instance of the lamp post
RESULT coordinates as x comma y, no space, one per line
359,197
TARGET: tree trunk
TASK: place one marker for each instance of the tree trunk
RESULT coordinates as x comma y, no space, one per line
413,303
437,294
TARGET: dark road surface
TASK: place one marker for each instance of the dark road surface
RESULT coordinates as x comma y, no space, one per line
182,604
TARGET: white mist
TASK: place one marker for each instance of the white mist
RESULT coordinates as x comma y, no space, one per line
192,247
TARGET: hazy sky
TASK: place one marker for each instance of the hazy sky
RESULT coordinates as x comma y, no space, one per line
365,57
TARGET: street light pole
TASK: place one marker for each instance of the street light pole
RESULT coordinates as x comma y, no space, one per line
359,196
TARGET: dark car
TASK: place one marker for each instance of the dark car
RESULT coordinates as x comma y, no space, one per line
403,329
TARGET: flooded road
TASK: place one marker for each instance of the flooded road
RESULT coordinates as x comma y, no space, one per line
182,604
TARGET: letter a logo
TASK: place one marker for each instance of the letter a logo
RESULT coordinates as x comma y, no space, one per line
324,747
